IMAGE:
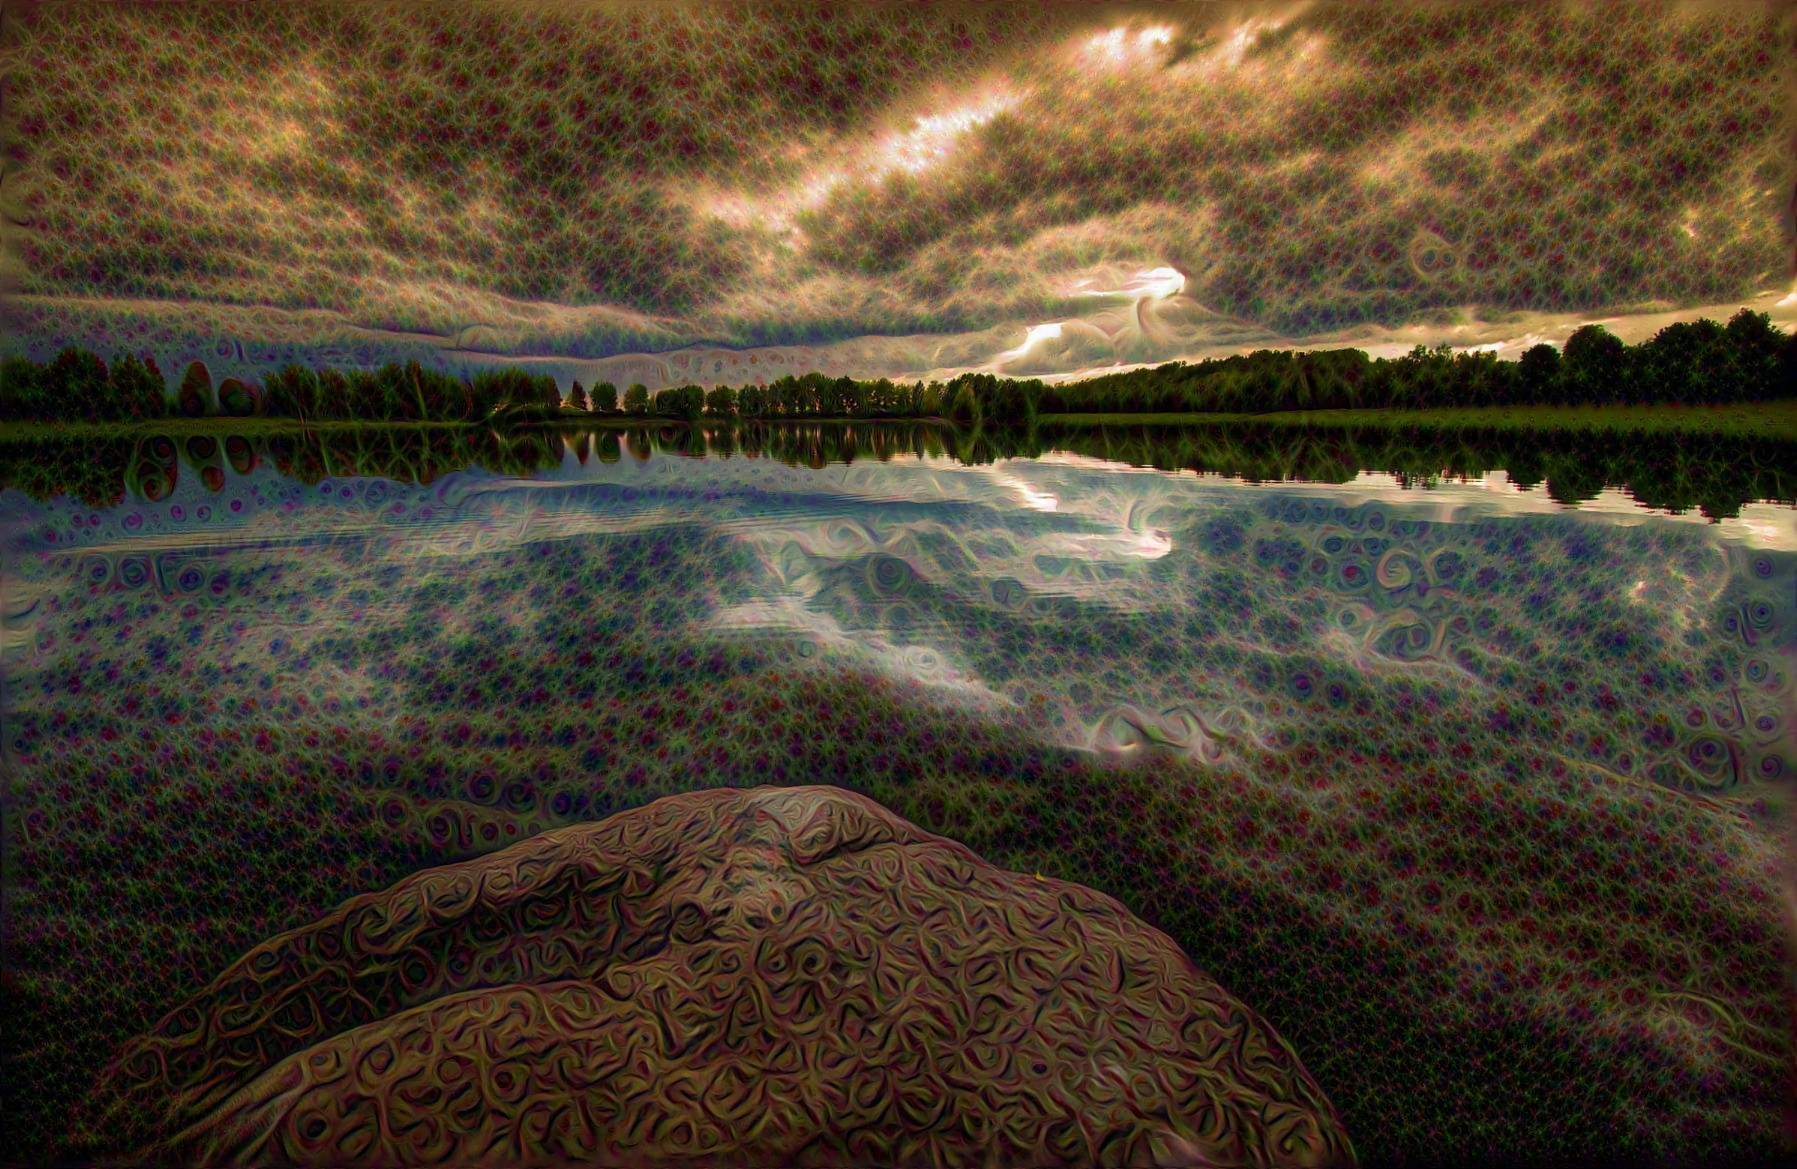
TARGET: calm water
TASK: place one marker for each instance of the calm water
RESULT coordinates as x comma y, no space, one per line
1454,770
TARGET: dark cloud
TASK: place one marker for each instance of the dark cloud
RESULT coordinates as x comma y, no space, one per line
802,173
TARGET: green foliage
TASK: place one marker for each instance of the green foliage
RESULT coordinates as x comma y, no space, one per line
194,398
21,389
1759,349
1697,362
137,389
238,399
441,396
77,385
1539,372
494,388
387,394
334,397
686,402
1681,362
1595,364
293,393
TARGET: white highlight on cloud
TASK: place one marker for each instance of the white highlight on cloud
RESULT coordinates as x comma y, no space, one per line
930,142
1155,284
1118,48
1233,49
930,139
1035,334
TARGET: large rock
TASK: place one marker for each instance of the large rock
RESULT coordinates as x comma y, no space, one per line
733,977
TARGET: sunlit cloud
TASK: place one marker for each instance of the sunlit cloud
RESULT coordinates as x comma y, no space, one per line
1122,47
929,140
1036,333
1156,283
934,136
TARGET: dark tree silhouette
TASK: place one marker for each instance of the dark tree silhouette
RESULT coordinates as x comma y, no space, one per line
77,382
1595,365
1540,374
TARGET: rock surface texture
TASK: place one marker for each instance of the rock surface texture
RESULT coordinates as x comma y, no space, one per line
774,976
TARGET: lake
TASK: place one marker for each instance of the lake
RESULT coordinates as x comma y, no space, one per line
1479,799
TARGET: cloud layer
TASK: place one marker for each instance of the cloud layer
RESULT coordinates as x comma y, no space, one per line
1036,189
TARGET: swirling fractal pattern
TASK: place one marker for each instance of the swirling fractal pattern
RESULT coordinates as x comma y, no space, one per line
774,976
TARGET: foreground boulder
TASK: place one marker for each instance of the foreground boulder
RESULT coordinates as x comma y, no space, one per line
776,976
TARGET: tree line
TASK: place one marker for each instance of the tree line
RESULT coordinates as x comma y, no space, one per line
1691,363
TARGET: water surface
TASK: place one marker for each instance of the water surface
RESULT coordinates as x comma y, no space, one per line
1478,799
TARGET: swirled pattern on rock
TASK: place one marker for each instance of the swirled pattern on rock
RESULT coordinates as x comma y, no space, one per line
774,976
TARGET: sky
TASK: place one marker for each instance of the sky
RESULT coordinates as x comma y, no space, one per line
724,192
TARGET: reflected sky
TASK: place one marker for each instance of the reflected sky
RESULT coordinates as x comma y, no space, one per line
362,678
895,567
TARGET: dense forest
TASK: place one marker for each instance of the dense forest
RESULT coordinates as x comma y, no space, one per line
1690,363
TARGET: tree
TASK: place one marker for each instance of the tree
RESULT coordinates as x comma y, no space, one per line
425,390
1682,362
334,397
1540,374
137,389
751,401
605,398
963,402
672,403
195,395
21,389
1009,403
293,393
636,400
440,396
720,402
577,398
687,402
847,398
75,386
513,386
1757,344
238,398
1595,364
383,394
